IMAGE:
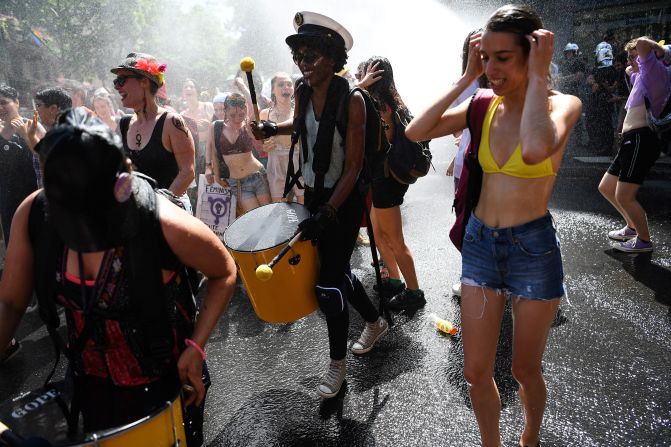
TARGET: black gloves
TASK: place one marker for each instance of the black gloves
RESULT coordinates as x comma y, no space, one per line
313,226
264,129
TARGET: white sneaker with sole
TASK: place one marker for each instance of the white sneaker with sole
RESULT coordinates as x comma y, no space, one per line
370,335
332,381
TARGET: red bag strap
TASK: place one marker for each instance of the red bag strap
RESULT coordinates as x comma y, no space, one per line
475,116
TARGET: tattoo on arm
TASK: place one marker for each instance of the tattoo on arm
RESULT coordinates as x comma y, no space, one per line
178,122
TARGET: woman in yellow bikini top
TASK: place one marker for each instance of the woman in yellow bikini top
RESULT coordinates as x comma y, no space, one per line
510,246
515,165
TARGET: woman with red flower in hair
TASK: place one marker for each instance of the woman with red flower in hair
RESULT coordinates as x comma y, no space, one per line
157,141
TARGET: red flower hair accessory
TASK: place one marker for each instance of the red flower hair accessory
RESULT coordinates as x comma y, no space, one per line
152,67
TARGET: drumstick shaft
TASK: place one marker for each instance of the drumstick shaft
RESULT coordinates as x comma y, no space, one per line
8,437
252,93
284,251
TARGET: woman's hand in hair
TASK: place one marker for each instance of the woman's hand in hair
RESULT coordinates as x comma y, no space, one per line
371,76
541,44
474,67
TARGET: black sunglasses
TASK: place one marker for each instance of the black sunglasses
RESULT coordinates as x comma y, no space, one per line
308,57
119,81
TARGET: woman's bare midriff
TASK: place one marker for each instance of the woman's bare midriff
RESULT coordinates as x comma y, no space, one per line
635,119
242,165
507,201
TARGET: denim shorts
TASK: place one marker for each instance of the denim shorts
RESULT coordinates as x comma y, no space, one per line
523,261
250,187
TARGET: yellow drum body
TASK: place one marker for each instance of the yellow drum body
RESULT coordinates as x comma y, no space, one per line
254,239
39,414
165,428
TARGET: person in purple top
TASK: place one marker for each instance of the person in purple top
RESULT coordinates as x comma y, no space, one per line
640,146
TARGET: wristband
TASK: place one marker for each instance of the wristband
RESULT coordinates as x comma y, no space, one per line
194,345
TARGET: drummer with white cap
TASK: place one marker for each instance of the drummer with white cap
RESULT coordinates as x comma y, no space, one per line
330,164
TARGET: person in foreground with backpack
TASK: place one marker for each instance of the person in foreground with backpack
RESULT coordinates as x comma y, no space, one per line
331,161
99,241
388,192
519,131
640,146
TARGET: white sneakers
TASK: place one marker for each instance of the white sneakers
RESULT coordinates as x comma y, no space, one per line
335,375
370,335
332,381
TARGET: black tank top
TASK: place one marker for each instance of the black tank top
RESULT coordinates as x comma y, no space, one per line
152,160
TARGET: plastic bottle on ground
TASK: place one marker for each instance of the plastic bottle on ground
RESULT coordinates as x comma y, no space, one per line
442,325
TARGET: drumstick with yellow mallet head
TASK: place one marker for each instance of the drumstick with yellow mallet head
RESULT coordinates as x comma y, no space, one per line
247,65
265,271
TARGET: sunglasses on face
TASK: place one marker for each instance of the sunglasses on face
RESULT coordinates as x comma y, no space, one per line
119,81
308,57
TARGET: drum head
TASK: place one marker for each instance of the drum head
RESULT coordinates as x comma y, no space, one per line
265,227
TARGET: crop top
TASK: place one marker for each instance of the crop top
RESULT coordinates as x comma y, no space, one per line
242,144
515,165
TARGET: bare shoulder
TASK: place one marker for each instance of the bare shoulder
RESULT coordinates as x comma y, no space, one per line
20,219
357,106
191,240
20,222
565,104
175,120
172,217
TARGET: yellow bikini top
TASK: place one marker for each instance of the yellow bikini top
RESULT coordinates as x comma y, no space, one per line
515,166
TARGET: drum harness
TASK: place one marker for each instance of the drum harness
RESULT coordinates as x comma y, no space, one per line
335,115
144,279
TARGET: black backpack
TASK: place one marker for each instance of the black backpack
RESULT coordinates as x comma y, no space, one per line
375,144
406,160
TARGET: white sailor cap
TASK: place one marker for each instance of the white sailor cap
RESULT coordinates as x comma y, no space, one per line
311,24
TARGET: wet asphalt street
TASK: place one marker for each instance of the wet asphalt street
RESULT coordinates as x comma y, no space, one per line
607,364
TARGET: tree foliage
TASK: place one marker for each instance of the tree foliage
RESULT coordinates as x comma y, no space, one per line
195,43
85,36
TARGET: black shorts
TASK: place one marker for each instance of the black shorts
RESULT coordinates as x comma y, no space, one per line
638,151
387,192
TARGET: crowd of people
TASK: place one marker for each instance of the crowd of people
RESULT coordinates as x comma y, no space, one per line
96,192
600,77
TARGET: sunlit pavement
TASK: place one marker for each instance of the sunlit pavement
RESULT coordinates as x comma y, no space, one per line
607,362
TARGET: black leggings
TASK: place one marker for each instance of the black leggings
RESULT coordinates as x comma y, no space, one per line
335,247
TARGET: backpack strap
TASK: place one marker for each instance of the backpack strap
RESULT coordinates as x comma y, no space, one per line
477,109
124,123
218,130
303,93
475,117
46,246
467,195
338,92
